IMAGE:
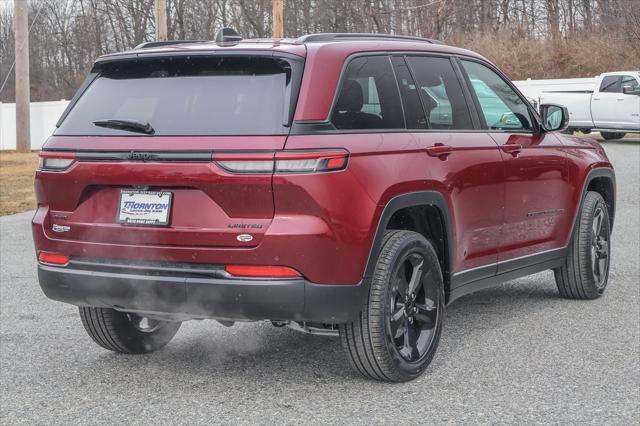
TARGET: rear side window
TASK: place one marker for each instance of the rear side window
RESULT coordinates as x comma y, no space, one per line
441,93
611,84
368,97
413,112
199,95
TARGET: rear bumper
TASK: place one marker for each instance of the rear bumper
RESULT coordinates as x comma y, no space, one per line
204,297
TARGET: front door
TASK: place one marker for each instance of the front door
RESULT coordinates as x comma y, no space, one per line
537,189
613,109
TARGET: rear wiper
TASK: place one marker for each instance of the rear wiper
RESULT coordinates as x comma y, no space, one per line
128,125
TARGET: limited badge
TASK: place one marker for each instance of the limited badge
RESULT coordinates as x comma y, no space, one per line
60,228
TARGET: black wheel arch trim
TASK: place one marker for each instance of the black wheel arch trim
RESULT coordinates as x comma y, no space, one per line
600,172
413,199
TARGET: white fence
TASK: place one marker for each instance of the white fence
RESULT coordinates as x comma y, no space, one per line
44,116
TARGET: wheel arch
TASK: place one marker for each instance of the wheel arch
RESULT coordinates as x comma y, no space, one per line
603,181
404,212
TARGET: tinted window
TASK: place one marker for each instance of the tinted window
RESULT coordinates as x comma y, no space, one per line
501,106
187,96
441,93
629,80
368,96
611,84
412,106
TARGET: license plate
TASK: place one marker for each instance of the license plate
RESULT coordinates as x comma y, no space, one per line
144,207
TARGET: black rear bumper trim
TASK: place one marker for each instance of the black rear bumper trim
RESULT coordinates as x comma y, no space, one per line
205,297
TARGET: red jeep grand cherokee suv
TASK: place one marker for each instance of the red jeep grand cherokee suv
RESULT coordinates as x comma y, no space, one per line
349,184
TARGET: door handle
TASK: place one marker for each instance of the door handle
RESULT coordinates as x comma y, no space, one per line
596,99
511,148
439,150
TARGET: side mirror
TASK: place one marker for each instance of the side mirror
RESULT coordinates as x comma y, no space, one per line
629,90
554,117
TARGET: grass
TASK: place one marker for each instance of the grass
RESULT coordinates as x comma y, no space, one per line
16,181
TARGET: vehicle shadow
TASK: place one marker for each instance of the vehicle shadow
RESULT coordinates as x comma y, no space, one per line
260,352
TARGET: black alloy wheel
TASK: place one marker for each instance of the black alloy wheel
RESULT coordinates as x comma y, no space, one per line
396,335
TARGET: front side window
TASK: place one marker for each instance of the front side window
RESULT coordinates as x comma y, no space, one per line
197,95
368,97
501,106
630,81
441,93
611,84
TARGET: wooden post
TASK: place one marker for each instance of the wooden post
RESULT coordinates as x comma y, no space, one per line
161,20
278,18
23,125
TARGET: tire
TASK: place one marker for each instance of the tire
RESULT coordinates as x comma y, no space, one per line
379,342
585,272
126,333
585,131
608,136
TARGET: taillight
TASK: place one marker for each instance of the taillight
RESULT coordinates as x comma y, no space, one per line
50,258
283,162
309,162
262,271
56,161
245,163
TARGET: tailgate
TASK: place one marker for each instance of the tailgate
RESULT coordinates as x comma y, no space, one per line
208,206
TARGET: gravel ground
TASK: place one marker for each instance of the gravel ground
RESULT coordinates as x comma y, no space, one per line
513,354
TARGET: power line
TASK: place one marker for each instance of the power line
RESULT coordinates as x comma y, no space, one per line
21,47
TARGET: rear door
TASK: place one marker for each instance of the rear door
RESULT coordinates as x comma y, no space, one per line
537,190
466,163
205,113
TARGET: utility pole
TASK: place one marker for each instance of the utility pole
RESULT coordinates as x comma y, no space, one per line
21,25
161,20
278,18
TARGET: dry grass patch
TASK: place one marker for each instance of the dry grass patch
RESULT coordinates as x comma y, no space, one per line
16,182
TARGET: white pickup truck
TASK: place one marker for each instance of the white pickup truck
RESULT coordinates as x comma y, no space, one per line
612,107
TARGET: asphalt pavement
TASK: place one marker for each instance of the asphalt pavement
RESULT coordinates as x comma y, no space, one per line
513,354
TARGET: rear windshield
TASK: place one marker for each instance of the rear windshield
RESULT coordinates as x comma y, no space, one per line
195,95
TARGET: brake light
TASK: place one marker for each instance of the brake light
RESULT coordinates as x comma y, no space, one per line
283,162
50,258
51,160
262,271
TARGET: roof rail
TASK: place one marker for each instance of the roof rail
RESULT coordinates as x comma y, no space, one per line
311,38
149,44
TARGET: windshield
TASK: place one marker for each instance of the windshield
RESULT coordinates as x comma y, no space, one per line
195,95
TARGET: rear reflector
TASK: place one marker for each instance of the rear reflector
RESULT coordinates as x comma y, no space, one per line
50,258
51,160
284,161
261,271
